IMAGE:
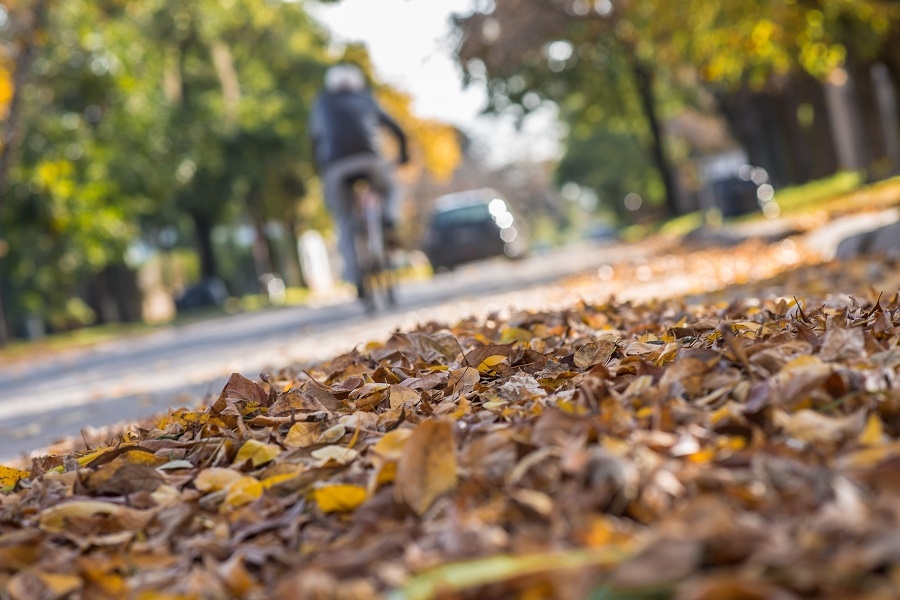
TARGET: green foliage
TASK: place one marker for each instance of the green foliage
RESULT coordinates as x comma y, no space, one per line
141,112
807,197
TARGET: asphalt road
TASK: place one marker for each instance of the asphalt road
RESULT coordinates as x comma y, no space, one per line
46,399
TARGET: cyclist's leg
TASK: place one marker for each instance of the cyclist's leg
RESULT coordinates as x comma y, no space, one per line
339,199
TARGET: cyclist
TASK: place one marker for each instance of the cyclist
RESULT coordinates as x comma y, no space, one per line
344,125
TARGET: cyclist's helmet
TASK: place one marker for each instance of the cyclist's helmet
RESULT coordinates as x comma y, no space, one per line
344,78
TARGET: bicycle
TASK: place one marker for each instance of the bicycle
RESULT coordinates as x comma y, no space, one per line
378,277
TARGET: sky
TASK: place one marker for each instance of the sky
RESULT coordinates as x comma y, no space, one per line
411,45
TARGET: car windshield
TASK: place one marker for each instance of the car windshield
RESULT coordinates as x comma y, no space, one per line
463,215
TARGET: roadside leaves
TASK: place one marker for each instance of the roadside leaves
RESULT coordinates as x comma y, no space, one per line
741,447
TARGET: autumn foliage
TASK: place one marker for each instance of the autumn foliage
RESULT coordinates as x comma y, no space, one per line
665,449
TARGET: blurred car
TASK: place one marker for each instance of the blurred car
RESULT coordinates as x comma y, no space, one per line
601,232
470,226
743,191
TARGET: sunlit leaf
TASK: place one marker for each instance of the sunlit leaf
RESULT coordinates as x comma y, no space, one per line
257,453
873,433
515,334
243,490
302,434
339,497
10,476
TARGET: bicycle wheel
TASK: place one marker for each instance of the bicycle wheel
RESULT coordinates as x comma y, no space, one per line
377,284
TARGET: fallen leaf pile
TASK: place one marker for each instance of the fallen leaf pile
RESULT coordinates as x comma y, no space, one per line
740,449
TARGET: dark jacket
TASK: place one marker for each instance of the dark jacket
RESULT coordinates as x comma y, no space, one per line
346,123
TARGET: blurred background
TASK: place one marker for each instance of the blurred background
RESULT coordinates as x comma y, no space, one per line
154,155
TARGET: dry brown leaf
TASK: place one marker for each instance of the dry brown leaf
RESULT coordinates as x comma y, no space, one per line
120,479
239,391
427,468
294,401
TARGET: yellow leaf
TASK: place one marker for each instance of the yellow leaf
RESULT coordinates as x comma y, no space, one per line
243,491
58,585
186,419
868,457
10,476
603,531
390,446
92,456
667,354
515,334
702,456
732,443
645,412
490,362
385,474
873,433
215,479
257,453
339,497
268,482
143,458
302,434
463,407
427,468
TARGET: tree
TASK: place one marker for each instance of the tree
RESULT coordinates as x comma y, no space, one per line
762,61
591,64
22,26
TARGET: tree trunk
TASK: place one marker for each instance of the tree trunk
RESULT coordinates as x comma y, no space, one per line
753,119
262,258
890,58
293,269
644,83
11,131
820,137
4,328
871,133
203,227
